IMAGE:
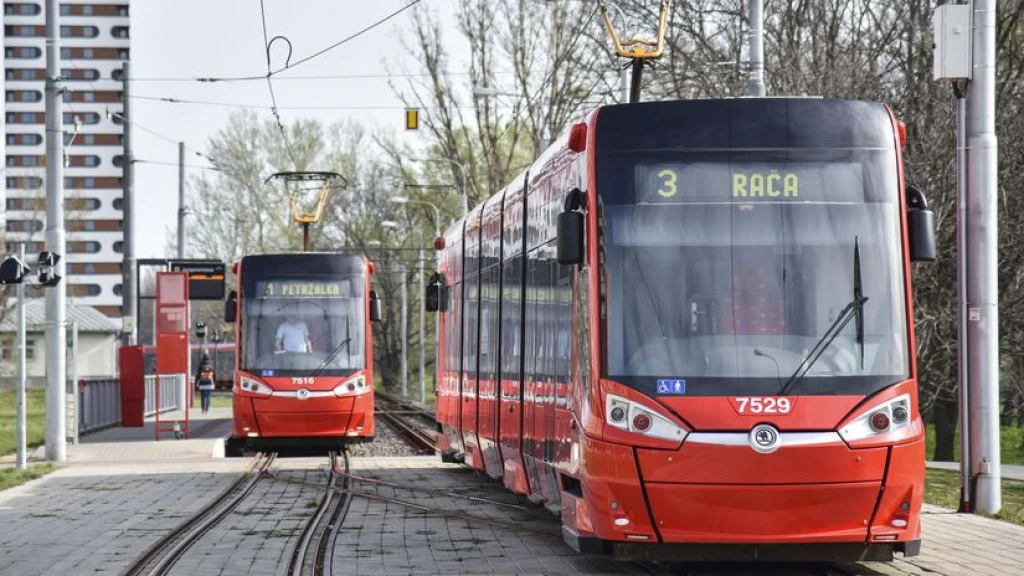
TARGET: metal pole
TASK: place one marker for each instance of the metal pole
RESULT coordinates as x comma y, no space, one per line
56,296
74,380
129,283
623,85
405,339
182,211
638,76
755,86
22,446
423,313
961,287
982,280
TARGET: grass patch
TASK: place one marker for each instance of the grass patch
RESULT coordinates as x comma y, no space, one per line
11,477
942,488
219,400
1011,444
35,418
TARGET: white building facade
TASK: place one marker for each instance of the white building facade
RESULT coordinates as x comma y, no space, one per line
94,46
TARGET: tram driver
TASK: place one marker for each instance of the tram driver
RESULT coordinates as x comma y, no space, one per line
293,336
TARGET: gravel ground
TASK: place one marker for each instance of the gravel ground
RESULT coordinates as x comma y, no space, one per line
386,443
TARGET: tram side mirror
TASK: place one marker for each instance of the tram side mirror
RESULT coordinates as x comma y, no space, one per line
231,307
921,223
374,307
435,296
570,230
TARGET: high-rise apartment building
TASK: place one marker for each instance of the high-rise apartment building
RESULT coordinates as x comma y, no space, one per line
94,44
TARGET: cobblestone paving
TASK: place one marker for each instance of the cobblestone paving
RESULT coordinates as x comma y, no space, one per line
96,520
258,537
435,533
967,545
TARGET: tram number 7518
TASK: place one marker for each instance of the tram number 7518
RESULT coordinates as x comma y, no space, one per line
762,405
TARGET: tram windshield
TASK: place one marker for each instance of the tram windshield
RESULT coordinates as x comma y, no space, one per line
726,269
295,326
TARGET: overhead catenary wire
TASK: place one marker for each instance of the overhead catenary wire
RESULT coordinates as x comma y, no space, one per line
289,65
270,84
245,106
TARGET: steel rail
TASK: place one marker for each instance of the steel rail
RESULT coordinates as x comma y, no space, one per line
160,557
318,534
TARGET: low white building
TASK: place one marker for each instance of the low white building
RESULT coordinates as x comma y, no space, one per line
98,342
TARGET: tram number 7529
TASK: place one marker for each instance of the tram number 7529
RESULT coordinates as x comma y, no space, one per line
763,405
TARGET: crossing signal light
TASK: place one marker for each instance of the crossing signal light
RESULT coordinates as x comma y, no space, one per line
13,271
44,266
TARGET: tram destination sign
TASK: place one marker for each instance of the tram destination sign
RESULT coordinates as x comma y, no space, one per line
205,279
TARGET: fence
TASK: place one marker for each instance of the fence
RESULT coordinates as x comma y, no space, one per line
173,393
99,400
99,404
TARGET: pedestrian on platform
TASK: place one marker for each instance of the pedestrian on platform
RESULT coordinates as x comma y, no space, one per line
205,379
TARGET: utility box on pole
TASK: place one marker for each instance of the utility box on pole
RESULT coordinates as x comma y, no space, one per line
952,26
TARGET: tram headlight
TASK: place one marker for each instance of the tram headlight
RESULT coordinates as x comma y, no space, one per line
886,417
634,417
353,387
254,386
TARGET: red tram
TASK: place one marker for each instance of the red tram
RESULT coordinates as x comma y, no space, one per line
304,374
687,329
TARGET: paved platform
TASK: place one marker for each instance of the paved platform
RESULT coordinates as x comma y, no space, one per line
121,490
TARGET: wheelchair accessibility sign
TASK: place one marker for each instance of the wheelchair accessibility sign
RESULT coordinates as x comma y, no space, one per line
670,387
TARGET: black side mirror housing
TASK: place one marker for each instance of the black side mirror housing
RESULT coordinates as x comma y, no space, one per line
570,230
434,299
921,226
375,314
231,307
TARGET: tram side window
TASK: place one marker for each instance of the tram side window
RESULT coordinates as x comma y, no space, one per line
511,319
563,312
488,323
470,332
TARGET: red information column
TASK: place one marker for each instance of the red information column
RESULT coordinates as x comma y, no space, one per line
172,347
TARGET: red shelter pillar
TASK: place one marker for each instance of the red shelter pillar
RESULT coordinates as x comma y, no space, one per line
172,346
133,386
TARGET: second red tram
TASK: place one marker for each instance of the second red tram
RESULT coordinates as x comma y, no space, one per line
687,330
304,374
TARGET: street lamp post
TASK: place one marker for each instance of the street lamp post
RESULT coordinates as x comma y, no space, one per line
423,308
405,321
464,200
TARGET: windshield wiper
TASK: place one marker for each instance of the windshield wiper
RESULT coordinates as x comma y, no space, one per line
330,357
855,309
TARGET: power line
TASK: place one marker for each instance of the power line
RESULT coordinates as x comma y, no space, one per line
270,84
172,100
381,76
288,65
175,164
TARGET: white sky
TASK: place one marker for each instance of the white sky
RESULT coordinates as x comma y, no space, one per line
216,38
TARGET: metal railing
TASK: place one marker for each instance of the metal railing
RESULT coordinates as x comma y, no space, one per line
173,393
99,404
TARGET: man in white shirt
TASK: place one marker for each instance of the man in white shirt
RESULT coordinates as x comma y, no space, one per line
293,336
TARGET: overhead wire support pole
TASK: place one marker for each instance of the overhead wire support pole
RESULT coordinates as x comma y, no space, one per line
961,287
56,296
182,210
129,283
755,86
22,458
405,337
982,259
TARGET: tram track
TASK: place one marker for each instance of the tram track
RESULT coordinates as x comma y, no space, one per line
315,550
160,557
400,415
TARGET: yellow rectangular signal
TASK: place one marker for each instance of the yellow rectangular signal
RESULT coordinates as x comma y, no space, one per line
412,119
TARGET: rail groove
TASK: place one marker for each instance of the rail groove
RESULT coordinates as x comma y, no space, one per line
159,558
